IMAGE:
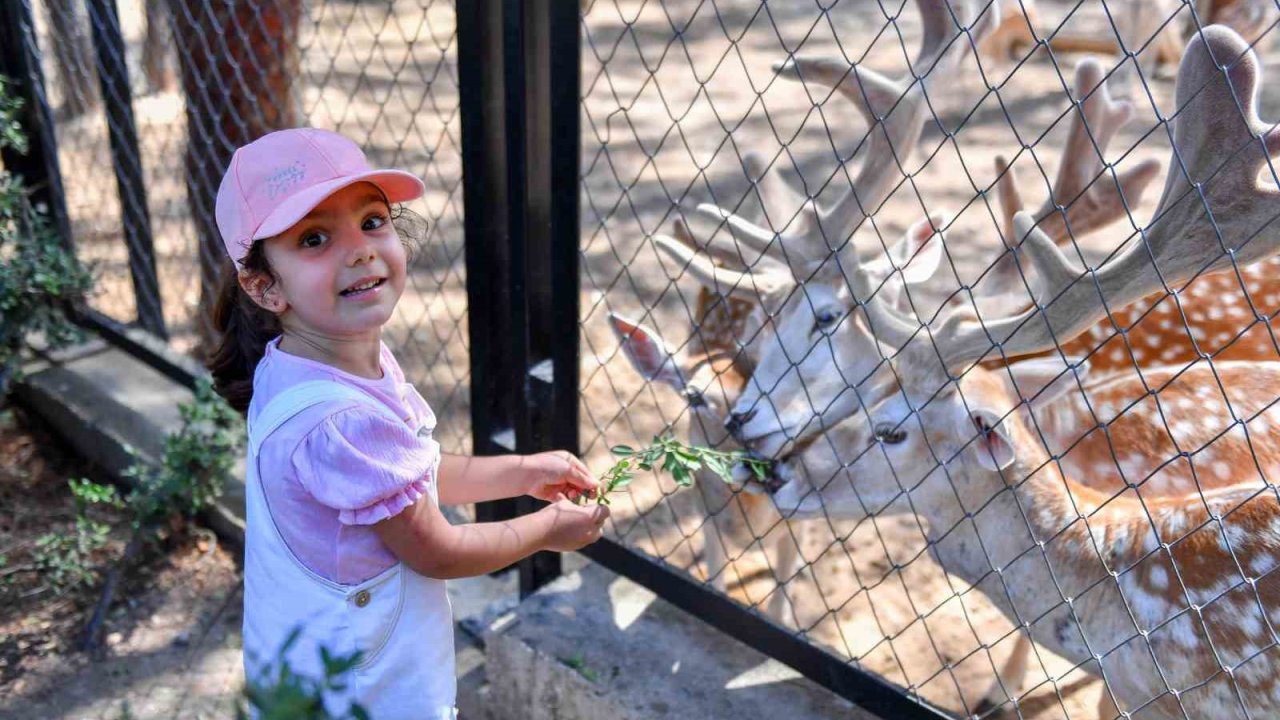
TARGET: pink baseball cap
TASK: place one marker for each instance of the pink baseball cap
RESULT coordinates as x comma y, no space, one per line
274,181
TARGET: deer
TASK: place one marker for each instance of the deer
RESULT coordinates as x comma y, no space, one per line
776,268
708,373
822,353
1145,26
1167,594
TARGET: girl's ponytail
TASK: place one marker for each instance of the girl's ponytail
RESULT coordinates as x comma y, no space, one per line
245,328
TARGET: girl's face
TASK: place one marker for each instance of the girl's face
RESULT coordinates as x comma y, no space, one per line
339,271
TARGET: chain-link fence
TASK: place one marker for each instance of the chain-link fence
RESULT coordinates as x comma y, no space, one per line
383,74
829,236
813,316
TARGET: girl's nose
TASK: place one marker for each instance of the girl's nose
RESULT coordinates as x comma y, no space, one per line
361,248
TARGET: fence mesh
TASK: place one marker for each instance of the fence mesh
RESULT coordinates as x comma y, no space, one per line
760,188
384,74
1122,528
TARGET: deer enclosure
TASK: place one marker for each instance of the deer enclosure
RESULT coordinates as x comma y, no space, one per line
821,233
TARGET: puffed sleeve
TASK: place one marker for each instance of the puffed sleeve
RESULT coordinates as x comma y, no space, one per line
365,465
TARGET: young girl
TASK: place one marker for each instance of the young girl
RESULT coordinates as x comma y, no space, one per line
344,541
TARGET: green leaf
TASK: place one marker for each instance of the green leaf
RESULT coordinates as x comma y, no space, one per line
622,450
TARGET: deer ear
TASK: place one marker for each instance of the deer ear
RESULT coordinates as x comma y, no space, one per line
915,254
647,351
994,449
1043,380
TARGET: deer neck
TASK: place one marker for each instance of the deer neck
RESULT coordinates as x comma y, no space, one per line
990,535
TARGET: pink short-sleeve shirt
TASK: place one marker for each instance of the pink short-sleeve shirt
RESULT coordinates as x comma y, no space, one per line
332,471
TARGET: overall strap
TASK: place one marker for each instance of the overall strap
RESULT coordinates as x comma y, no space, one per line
296,398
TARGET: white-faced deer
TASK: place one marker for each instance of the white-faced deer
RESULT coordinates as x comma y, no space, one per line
821,361
1170,595
818,301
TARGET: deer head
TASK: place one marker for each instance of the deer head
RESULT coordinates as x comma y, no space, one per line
818,368
1210,215
917,441
819,312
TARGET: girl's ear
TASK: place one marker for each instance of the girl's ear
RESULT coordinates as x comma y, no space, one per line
264,291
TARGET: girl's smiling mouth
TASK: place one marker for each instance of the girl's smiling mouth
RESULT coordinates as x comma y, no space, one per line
364,286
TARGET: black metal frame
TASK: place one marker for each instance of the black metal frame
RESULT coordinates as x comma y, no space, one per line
519,74
20,63
126,160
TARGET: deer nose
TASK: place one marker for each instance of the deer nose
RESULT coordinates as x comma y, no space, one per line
737,420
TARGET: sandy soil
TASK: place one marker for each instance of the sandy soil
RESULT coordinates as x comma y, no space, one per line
674,93
172,645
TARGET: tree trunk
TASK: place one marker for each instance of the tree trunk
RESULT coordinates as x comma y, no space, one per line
155,63
72,57
237,60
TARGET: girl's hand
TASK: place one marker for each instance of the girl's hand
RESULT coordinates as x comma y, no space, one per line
574,526
555,474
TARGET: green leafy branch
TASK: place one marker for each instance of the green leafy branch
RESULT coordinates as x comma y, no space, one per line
678,460
41,279
196,461
281,693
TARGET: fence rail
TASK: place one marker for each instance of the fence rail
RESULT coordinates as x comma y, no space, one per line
837,293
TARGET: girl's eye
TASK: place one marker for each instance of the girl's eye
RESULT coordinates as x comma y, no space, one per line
374,222
825,319
890,434
312,240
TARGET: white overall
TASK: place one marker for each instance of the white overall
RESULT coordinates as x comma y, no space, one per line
401,621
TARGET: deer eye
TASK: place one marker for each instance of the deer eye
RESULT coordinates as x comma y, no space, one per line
694,397
890,434
825,319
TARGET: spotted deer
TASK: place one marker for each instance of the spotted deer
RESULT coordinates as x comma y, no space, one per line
1147,26
1168,591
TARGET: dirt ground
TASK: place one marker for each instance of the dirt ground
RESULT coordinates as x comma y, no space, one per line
172,639
674,94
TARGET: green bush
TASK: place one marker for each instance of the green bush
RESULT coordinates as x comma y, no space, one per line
67,561
40,280
279,693
196,461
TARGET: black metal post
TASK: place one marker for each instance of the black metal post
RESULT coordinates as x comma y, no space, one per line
520,183
117,99
563,339
495,379
38,167
546,109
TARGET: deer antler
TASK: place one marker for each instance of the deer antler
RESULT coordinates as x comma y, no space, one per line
763,276
1081,200
1213,213
897,110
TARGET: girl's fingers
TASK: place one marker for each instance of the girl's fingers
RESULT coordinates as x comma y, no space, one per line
580,476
